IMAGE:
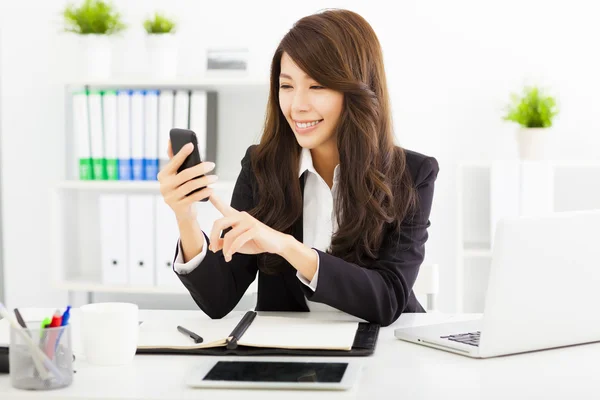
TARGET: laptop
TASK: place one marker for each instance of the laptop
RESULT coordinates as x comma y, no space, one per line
542,290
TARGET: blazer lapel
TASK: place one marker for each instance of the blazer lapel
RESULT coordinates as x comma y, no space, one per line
291,279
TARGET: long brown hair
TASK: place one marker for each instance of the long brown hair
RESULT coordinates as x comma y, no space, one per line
338,49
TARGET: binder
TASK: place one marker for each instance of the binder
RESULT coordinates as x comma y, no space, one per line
137,135
81,135
140,230
109,114
113,238
203,121
198,122
166,235
151,135
96,135
166,103
124,134
182,109
260,335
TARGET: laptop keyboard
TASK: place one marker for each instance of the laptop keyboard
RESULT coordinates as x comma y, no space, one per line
471,338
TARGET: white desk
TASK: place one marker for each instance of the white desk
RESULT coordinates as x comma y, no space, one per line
397,370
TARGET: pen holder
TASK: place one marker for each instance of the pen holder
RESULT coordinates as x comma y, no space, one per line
41,359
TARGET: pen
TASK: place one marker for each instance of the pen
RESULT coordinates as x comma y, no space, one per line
52,335
64,321
20,319
66,316
44,325
56,319
239,330
195,337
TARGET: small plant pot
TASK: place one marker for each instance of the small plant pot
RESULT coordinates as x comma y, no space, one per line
162,55
533,143
96,53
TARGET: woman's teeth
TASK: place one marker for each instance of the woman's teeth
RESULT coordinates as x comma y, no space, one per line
307,124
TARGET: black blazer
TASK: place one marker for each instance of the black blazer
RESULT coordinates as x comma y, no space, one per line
378,294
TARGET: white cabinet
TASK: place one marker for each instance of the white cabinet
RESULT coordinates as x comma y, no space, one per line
490,191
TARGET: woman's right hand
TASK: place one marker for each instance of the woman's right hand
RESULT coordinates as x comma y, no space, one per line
175,186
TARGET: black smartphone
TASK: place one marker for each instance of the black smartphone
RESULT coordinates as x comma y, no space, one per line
179,138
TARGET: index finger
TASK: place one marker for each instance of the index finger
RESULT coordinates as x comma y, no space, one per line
222,207
179,158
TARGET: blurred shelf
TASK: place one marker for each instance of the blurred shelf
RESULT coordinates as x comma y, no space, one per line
477,253
84,284
89,285
208,82
126,186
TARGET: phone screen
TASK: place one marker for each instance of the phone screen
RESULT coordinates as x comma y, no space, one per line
260,371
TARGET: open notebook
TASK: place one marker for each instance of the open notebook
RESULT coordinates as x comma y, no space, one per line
265,334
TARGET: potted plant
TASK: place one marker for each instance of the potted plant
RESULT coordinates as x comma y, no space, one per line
534,111
94,21
161,46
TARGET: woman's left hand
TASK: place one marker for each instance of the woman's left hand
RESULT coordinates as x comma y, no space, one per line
247,236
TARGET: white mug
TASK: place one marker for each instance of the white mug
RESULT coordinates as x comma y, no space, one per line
109,332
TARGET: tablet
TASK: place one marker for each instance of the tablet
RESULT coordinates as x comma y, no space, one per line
274,375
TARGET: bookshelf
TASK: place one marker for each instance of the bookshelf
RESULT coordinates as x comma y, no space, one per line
489,191
75,217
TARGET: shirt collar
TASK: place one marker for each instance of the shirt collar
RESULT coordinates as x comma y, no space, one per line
306,164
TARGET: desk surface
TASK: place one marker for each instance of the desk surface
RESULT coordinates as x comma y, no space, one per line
397,370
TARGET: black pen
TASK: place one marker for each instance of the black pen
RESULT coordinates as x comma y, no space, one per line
239,330
20,319
196,338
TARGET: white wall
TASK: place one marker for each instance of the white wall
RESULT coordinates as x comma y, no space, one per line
450,65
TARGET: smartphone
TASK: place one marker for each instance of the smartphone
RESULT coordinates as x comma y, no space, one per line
179,138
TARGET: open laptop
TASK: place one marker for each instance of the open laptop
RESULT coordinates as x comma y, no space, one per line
543,290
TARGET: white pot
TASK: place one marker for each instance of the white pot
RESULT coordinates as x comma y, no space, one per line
533,143
162,55
96,52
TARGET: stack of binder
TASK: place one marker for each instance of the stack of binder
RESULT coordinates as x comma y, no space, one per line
138,237
124,134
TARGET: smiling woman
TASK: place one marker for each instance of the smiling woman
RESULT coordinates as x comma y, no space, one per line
327,209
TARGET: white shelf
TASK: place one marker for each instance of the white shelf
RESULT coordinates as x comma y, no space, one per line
90,285
488,191
214,83
477,253
126,186
85,285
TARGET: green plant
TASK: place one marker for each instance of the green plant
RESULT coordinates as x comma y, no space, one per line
533,109
93,17
160,24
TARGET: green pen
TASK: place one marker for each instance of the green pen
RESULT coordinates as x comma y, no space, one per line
44,324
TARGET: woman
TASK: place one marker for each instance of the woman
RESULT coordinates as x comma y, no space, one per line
327,209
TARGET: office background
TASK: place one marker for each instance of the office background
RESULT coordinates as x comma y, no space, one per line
450,65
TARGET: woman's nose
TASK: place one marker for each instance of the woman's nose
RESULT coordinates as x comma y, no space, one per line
300,102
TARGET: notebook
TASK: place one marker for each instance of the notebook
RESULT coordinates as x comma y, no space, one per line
263,335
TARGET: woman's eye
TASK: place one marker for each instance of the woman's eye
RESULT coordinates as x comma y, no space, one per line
312,87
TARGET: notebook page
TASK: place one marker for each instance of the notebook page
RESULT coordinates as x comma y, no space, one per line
164,334
299,333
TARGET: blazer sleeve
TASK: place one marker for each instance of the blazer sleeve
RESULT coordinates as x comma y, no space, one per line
215,285
381,292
